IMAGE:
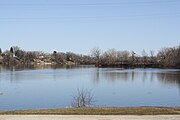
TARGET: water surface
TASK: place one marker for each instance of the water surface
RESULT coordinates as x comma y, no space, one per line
31,88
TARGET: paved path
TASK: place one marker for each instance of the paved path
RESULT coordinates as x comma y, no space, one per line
88,117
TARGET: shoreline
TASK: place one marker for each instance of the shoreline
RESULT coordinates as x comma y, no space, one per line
140,110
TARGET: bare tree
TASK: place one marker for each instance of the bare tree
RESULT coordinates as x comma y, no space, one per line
111,56
83,98
122,56
169,57
58,57
96,52
152,53
133,57
144,56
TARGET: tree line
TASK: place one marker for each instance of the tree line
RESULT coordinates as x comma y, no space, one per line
165,58
17,56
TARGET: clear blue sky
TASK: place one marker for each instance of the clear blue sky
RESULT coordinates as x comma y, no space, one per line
80,25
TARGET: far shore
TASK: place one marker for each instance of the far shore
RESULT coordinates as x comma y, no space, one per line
145,110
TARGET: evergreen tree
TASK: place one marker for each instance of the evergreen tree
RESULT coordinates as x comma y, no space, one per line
11,50
0,51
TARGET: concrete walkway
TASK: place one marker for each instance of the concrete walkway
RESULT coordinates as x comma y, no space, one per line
88,117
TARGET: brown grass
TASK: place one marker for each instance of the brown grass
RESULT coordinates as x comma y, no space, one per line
98,111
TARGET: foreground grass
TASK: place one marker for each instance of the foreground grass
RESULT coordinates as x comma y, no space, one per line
99,111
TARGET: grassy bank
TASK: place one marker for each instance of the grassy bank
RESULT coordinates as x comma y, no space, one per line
98,111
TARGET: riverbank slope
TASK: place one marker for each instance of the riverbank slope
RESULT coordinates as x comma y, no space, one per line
98,111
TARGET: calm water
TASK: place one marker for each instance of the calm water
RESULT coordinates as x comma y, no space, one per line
54,87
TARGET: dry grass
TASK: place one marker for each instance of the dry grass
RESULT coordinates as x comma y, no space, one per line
99,111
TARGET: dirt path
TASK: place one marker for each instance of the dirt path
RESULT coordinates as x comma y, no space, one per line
88,117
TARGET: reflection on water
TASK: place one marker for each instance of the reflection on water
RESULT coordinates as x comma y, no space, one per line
169,78
39,67
162,75
31,87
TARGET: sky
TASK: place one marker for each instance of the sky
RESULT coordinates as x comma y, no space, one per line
80,25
